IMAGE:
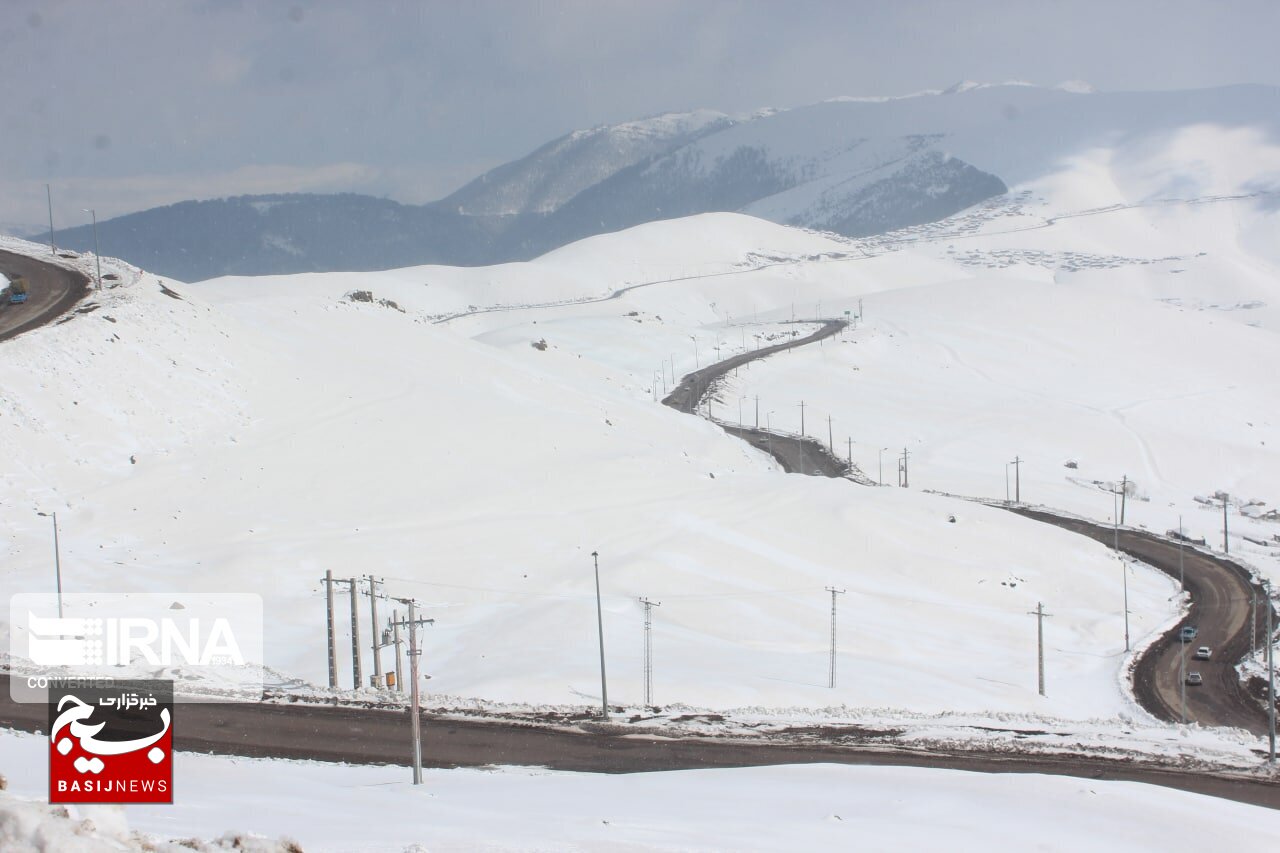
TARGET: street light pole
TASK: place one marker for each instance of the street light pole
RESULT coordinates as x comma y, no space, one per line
1124,569
57,563
96,256
49,194
604,688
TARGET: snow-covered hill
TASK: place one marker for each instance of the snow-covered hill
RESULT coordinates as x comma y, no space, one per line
1114,315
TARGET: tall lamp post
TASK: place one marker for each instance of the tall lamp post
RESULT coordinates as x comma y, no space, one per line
604,689
880,460
57,560
97,258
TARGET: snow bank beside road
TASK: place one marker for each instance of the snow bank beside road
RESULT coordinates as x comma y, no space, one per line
809,807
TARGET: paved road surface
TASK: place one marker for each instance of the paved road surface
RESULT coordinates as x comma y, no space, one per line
797,455
363,736
51,292
1221,601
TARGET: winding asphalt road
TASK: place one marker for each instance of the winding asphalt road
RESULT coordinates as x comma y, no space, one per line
1223,598
52,291
1223,595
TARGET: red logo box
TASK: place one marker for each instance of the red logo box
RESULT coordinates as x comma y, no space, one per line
111,744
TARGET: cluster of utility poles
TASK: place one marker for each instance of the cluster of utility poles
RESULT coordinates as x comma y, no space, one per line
388,637
384,637
1017,480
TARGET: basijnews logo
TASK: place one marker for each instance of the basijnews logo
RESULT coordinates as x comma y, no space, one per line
110,744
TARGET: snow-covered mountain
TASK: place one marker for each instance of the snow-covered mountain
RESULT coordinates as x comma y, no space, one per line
549,177
856,167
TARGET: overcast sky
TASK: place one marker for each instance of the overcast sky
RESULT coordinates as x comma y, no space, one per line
126,104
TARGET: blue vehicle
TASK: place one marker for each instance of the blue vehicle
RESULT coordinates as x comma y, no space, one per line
17,291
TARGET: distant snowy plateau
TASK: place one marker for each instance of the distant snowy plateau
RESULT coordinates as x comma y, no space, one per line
1088,282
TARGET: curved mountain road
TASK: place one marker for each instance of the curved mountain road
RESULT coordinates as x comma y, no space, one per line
1224,597
1223,602
52,291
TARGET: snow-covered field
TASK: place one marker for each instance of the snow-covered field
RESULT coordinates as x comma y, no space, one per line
256,433
472,436
814,807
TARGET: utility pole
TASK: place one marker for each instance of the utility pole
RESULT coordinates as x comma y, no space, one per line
831,443
648,648
415,701
905,483
1226,548
356,674
333,634
1124,573
1124,568
831,668
604,687
757,411
1271,679
1182,582
1124,495
800,439
1040,616
49,194
1182,677
1017,480
397,642
849,451
373,630
96,256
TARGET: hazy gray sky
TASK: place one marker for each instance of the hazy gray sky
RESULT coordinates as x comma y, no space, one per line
125,104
